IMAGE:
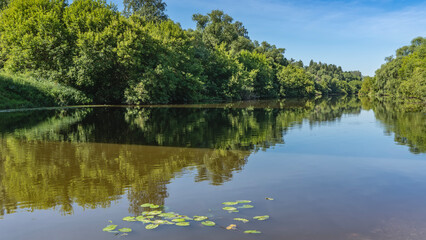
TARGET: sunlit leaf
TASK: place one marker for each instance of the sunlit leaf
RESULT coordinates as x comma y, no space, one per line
247,206
270,199
109,228
229,208
208,223
241,220
261,218
182,224
151,226
179,220
200,218
159,222
154,206
243,201
125,230
143,219
146,205
154,213
231,227
252,231
129,219
230,203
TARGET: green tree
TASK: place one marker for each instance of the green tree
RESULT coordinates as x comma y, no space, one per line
218,28
295,82
151,10
34,38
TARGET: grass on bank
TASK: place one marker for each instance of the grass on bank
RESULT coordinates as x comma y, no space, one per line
20,91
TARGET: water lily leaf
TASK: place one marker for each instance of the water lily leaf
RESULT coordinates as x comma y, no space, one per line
230,208
247,206
129,219
146,205
241,220
230,203
154,206
270,199
154,213
182,224
261,218
159,222
231,227
200,218
109,228
151,226
179,220
125,230
252,232
167,215
208,223
143,219
243,201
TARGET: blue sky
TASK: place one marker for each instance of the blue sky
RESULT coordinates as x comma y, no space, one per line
355,34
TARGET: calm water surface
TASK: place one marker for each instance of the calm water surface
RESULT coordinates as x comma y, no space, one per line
338,169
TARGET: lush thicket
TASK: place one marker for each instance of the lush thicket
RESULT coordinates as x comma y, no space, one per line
141,56
403,76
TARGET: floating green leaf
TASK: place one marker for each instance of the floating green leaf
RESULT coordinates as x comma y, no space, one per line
151,226
146,205
154,213
159,222
167,215
200,218
247,206
129,219
241,220
230,203
209,223
154,206
182,224
252,231
179,220
261,218
142,219
125,230
109,228
243,201
229,208
270,199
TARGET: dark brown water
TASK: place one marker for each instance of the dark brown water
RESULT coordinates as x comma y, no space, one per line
337,169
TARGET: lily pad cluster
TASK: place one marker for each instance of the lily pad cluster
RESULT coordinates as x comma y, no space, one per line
236,205
157,217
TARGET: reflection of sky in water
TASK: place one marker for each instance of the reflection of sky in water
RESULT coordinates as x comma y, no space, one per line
352,135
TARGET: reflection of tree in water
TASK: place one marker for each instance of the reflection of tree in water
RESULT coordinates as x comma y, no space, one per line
409,127
92,157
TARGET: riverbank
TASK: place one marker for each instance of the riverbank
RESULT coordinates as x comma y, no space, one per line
20,91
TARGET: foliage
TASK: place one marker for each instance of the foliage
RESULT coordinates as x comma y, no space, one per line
151,10
403,76
295,82
331,79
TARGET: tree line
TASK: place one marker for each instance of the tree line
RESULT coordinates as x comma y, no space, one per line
141,56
